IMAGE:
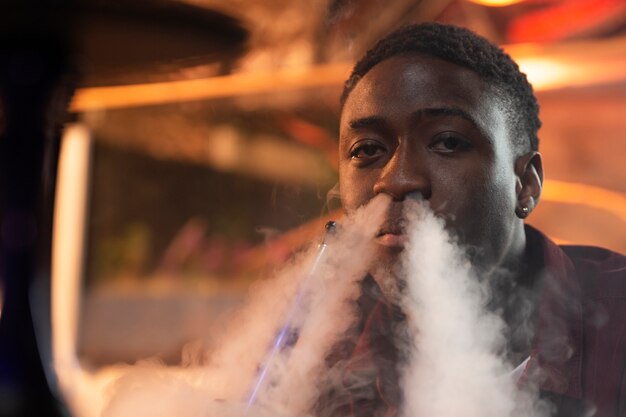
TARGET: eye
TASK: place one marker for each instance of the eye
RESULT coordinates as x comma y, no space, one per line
450,143
366,150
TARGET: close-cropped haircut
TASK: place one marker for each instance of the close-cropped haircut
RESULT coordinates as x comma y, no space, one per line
462,47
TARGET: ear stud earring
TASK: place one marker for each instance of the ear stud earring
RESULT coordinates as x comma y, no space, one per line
523,212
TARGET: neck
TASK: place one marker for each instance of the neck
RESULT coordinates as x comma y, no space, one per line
515,292
512,263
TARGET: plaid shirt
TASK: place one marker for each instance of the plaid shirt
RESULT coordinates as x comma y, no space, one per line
365,380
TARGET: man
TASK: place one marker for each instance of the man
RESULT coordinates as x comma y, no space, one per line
437,113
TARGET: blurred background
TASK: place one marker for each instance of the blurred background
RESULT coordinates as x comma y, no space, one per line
201,175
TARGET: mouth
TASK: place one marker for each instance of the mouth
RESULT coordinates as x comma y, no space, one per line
391,240
392,235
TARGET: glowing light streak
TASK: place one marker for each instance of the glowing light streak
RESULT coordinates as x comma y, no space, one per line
585,195
545,73
566,19
242,84
496,3
67,265
68,240
548,67
550,73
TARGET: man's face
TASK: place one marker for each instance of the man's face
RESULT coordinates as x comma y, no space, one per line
417,125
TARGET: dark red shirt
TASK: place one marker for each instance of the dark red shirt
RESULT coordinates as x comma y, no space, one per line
577,356
579,347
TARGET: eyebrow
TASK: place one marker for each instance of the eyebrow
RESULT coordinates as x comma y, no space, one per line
365,122
370,121
378,121
446,111
455,112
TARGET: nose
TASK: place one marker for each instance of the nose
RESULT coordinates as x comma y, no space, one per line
404,175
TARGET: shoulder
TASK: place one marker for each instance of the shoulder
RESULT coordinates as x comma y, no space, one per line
602,259
599,269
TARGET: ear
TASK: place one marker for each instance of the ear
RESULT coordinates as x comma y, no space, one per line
529,182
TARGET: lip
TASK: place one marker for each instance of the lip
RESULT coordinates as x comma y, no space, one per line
393,240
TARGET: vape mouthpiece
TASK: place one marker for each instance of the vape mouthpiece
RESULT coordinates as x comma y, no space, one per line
330,227
283,339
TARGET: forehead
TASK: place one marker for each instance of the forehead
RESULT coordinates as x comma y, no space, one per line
410,83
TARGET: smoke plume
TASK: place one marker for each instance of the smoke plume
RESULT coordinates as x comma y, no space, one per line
455,353
451,345
323,313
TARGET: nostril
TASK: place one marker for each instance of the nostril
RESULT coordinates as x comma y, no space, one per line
396,195
425,193
415,196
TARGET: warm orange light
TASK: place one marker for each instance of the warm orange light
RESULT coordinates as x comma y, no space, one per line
67,263
241,84
545,73
548,67
585,195
576,64
496,3
565,19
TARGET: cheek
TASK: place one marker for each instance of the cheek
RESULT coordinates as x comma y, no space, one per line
458,186
355,187
487,209
502,191
464,198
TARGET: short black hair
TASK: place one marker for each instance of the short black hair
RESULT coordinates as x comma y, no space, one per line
467,49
